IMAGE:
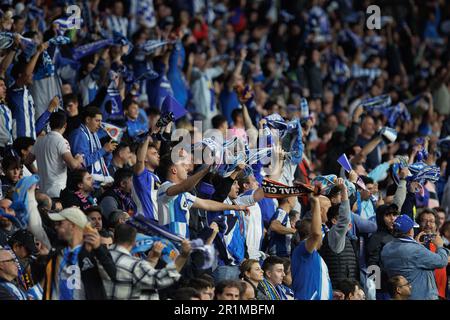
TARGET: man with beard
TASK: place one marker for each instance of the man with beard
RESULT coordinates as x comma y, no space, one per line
78,193
73,272
119,195
386,215
428,221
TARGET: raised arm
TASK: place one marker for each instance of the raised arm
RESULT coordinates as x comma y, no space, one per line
315,238
29,68
336,236
189,183
210,205
368,148
140,157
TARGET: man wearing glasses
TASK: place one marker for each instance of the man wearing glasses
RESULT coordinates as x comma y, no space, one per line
399,288
9,272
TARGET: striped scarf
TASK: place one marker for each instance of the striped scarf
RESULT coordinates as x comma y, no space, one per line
99,167
271,291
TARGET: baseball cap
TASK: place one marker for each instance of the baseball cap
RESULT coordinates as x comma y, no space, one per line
74,215
26,239
404,223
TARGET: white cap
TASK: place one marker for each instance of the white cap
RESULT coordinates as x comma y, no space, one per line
73,214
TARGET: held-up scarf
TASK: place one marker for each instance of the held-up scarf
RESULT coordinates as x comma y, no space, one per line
274,189
99,167
66,287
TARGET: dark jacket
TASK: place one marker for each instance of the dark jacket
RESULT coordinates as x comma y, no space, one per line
340,265
69,199
376,243
90,275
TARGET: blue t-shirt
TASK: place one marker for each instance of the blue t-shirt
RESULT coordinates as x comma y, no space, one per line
135,127
310,279
144,193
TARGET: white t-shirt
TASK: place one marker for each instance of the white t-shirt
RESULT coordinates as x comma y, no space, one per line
173,211
254,227
52,169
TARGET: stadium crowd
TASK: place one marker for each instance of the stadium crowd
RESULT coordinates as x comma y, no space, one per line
103,195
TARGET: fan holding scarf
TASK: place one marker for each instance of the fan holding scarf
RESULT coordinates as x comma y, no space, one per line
85,140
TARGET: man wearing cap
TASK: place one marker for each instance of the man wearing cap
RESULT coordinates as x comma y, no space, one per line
24,247
404,256
73,273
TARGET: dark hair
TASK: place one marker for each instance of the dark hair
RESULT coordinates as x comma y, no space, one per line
58,120
22,143
122,145
366,180
286,264
207,278
200,284
128,102
74,178
121,175
392,285
90,112
89,210
235,113
391,190
445,226
428,211
440,209
124,234
186,293
153,111
220,287
10,162
68,98
303,228
332,213
334,192
217,121
348,286
270,262
292,214
164,165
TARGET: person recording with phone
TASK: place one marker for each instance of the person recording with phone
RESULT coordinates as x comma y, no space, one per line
428,221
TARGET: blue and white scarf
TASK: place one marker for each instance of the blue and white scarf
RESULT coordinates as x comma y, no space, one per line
99,168
20,199
151,46
70,258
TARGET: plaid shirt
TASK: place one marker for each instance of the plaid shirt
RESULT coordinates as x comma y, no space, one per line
136,279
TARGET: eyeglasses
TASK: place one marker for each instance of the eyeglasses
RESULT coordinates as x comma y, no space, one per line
406,284
10,260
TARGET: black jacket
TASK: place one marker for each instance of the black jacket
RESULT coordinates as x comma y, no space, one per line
90,274
376,243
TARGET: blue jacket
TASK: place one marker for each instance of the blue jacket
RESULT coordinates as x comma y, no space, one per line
406,257
80,144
